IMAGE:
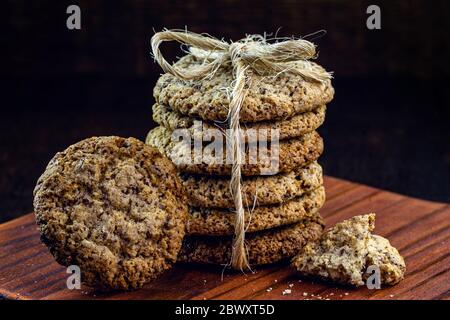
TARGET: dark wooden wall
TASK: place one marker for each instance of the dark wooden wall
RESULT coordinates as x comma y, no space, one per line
115,35
387,126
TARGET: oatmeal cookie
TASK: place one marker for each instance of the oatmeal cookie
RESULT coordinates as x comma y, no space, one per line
268,98
214,192
292,127
113,206
221,222
292,154
263,247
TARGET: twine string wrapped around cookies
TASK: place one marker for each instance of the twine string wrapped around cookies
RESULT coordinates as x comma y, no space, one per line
262,57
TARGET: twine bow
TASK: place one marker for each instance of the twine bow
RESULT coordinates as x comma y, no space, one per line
263,58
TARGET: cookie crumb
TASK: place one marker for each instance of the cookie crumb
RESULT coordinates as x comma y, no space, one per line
286,292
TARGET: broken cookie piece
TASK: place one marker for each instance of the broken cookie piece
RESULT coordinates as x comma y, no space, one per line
344,252
387,258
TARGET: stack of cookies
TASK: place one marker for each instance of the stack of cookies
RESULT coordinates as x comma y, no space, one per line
282,210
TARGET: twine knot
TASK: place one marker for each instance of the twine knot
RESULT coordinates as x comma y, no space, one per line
262,57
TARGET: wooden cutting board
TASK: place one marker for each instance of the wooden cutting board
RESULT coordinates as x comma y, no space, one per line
419,229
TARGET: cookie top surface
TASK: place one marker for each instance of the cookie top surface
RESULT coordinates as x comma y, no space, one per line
267,98
344,252
292,127
113,206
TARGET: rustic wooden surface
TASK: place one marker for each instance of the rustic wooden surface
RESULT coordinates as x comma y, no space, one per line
419,229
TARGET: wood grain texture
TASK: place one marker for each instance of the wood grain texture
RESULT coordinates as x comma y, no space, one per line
419,229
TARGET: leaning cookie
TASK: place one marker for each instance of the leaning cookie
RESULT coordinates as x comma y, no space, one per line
268,98
113,206
287,128
285,156
221,222
263,247
214,192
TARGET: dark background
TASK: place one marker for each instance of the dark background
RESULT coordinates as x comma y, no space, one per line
387,127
